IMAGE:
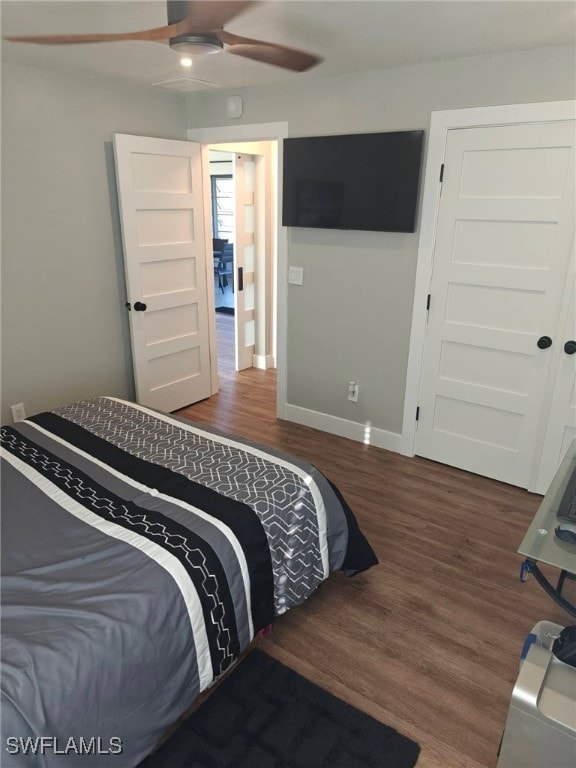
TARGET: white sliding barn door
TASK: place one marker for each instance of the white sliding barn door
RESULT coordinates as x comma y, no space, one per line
161,210
503,240
244,260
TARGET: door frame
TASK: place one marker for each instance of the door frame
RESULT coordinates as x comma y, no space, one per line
262,132
440,124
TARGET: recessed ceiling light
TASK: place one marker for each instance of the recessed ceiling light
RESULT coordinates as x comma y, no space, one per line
186,61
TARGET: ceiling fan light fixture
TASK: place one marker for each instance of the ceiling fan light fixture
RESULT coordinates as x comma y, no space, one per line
196,45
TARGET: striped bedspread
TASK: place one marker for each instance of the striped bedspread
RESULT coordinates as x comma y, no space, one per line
141,554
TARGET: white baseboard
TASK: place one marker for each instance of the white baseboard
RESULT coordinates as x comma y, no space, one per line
362,433
263,361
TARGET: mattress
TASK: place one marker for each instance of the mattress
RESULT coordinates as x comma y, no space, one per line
141,554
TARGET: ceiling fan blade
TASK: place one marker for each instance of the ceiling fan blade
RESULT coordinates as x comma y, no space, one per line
160,33
269,53
197,16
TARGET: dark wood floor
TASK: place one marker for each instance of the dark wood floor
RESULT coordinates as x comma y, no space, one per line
428,641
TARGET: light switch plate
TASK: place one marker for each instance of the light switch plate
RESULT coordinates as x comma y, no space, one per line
296,275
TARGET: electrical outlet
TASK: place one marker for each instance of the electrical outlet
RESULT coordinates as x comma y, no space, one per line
18,412
353,391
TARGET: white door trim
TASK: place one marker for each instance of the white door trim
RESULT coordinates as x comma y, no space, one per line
264,132
440,124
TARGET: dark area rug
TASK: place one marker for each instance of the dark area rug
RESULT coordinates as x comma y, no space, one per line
225,310
264,715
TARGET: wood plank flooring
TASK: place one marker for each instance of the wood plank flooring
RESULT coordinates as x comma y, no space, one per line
428,641
225,344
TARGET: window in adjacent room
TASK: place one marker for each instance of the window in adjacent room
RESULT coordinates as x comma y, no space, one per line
223,206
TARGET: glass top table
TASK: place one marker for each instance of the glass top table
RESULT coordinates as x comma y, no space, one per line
540,544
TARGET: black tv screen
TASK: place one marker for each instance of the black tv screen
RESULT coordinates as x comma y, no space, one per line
365,181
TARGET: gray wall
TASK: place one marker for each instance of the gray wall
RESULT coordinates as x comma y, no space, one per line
351,319
64,325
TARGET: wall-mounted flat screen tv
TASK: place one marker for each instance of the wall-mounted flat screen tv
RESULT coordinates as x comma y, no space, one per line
365,181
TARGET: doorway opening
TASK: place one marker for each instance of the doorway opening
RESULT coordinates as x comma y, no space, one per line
243,206
249,133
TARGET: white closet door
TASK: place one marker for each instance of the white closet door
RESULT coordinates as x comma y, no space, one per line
162,215
503,241
561,425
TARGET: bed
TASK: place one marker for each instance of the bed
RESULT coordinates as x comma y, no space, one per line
141,555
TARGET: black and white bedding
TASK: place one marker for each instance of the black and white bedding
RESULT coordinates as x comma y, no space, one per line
141,554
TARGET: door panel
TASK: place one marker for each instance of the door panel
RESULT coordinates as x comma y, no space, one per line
503,240
244,260
161,207
561,424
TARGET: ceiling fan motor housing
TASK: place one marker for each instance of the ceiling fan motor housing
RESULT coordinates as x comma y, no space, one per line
196,44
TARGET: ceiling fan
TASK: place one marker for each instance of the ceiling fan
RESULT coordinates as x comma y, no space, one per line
197,27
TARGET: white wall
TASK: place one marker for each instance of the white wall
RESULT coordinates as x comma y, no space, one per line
351,318
64,324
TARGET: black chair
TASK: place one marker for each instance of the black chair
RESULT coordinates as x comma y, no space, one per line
218,245
226,265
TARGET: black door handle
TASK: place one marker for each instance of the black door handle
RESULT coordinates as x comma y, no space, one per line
570,347
139,306
543,342
240,278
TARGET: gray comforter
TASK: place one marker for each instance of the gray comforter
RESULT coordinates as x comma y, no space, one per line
140,555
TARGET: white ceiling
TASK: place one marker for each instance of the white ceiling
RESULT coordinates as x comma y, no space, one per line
350,35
